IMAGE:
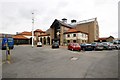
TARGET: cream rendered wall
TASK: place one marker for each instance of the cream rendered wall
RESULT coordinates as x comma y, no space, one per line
78,36
71,36
84,37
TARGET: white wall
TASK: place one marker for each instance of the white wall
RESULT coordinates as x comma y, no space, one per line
78,36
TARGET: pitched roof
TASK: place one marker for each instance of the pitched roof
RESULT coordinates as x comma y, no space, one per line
39,30
71,25
26,33
61,23
87,21
74,31
104,38
44,34
65,24
19,37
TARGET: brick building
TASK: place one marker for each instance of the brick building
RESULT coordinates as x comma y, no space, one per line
89,27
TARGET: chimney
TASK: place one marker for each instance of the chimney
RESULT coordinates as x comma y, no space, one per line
73,21
17,33
64,20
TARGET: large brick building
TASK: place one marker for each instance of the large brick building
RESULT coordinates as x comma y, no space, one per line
91,27
88,27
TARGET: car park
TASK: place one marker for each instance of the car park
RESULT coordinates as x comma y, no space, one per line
97,46
39,44
74,46
86,47
55,45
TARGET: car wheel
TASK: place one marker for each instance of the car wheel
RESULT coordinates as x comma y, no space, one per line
83,49
79,50
12,47
72,49
115,47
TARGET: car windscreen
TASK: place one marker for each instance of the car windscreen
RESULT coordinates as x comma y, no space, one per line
93,43
99,44
104,43
55,43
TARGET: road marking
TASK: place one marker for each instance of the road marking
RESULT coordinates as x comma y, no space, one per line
74,58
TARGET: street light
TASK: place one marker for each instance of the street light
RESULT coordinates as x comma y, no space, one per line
32,29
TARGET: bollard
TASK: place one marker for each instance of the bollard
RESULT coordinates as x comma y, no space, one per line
8,57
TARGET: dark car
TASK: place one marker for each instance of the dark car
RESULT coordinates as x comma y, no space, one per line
97,46
55,45
86,47
74,46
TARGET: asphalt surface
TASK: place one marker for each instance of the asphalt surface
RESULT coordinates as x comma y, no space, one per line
44,62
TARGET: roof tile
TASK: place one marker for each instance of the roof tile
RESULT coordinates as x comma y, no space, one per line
19,37
39,30
26,33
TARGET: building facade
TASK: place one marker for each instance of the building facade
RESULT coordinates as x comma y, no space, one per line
85,31
72,35
89,27
23,38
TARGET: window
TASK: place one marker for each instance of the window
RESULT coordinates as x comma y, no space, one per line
82,41
68,35
68,41
74,35
82,35
74,41
85,35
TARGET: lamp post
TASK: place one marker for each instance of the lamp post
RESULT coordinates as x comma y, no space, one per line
32,29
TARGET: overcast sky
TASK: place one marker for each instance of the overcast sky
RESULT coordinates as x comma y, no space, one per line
16,14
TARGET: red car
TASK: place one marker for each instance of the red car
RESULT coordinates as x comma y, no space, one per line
74,46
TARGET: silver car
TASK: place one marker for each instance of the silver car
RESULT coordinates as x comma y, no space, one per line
97,45
108,45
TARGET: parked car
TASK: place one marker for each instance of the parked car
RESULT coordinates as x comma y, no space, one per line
39,44
74,46
107,45
55,45
86,47
116,43
97,46
112,45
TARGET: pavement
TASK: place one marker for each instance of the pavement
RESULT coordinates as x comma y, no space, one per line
45,62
